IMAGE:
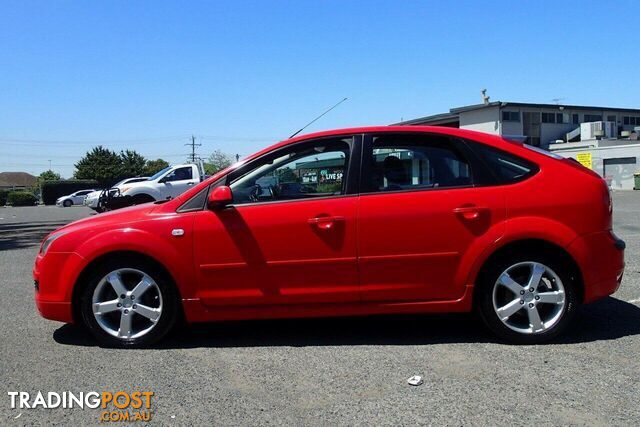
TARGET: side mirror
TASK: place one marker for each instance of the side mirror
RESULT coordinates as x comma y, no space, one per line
219,197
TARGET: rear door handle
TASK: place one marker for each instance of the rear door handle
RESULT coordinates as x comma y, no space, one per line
470,212
325,222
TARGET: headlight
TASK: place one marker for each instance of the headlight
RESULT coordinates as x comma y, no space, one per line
48,241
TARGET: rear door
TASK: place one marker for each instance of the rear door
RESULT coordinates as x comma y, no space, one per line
420,210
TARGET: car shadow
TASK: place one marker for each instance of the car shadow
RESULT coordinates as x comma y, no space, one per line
608,319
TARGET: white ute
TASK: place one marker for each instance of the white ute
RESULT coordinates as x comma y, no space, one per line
166,184
93,199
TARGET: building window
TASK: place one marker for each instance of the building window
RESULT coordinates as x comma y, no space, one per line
562,118
548,117
593,117
631,121
576,119
612,119
510,116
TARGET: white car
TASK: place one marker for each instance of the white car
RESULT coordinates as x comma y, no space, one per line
93,199
164,185
76,198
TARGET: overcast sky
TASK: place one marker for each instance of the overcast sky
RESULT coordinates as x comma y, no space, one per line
240,75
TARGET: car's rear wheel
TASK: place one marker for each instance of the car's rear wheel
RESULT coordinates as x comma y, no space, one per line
128,304
67,203
527,300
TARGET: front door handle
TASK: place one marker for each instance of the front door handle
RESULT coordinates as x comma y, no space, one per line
325,222
470,212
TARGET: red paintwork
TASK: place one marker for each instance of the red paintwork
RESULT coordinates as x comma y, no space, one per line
356,254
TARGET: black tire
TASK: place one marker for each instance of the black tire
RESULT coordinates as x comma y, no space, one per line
169,296
485,293
139,199
67,203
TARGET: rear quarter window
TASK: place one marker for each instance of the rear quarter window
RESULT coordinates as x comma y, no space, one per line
506,167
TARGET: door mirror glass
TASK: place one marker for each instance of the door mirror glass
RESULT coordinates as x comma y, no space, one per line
219,197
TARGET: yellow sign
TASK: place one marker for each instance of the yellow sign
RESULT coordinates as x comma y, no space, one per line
584,159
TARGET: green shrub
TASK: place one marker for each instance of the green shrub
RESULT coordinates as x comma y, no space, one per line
3,197
21,198
51,190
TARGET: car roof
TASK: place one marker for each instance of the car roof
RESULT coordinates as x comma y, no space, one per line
447,131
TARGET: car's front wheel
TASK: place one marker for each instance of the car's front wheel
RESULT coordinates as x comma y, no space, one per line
527,300
128,304
67,203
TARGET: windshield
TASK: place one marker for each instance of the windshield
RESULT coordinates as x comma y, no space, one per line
159,174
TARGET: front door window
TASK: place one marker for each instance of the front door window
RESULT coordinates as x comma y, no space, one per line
304,172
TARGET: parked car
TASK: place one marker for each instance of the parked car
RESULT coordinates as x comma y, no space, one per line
76,198
93,199
166,184
398,220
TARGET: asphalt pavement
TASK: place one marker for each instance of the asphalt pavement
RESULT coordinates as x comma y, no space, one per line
327,371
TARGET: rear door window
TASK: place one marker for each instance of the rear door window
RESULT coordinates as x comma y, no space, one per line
414,162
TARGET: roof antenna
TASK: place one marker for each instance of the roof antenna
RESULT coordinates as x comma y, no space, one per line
485,97
312,121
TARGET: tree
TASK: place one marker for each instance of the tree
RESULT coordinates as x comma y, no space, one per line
101,164
154,166
133,164
217,161
48,175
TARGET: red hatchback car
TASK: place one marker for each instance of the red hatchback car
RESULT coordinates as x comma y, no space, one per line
348,222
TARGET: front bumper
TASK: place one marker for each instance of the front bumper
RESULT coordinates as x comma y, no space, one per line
54,276
600,257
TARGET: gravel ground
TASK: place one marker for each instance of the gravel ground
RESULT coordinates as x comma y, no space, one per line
328,371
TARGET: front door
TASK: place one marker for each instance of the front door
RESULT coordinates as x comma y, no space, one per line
178,181
419,213
290,235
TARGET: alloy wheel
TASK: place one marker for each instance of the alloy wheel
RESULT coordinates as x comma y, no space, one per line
127,303
529,297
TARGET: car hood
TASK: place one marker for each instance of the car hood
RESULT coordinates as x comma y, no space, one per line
135,184
120,216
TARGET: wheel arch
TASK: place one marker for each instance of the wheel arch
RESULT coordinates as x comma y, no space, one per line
529,246
145,191
118,255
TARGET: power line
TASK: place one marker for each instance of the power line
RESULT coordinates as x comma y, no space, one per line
89,141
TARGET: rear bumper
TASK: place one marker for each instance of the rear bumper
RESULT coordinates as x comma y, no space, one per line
600,257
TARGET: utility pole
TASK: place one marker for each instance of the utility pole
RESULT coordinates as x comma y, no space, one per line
192,156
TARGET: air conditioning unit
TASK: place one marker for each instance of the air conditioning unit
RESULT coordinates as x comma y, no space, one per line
598,130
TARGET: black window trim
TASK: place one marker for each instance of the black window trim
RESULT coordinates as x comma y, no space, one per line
359,166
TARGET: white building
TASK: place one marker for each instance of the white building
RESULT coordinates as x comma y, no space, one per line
602,138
